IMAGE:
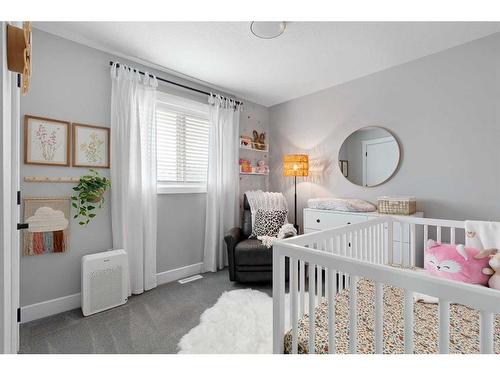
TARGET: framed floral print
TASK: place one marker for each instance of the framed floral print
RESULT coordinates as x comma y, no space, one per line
90,146
46,141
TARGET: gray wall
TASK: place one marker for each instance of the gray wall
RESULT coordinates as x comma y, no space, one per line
71,82
444,111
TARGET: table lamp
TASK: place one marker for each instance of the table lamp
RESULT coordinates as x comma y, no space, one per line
296,165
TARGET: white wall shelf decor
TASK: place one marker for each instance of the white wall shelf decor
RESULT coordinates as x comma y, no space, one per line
254,149
71,180
255,173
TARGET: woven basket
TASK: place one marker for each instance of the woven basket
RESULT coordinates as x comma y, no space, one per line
397,205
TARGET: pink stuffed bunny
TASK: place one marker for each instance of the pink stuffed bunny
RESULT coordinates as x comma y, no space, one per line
493,271
455,262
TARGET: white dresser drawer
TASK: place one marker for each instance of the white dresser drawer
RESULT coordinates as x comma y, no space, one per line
319,220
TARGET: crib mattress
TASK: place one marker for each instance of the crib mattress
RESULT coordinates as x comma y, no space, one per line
464,325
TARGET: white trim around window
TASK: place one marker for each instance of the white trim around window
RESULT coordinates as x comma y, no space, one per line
165,188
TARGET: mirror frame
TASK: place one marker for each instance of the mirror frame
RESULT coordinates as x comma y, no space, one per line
395,169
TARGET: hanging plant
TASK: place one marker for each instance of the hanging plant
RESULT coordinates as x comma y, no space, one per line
90,195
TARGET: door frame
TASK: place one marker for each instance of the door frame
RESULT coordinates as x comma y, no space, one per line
9,182
368,142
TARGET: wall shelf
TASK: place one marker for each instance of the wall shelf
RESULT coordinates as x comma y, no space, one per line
69,180
254,149
254,174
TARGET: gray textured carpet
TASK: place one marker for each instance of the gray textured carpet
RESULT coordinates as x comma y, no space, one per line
152,322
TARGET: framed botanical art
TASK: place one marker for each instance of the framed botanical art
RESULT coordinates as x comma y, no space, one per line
46,141
90,146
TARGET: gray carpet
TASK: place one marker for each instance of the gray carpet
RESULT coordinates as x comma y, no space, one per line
152,322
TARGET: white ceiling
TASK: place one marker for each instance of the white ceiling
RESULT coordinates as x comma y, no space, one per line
308,57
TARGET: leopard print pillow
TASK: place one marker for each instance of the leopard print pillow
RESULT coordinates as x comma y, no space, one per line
268,223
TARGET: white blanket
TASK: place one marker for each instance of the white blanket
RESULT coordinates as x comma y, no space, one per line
265,200
482,234
286,230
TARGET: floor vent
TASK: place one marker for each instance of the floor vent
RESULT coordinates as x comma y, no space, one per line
189,279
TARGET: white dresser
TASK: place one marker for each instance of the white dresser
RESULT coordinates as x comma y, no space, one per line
316,220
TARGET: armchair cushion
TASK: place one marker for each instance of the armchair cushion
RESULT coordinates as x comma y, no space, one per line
251,252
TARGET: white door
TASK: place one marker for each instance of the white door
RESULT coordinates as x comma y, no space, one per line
380,160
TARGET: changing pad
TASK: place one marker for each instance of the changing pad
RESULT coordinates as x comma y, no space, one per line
341,204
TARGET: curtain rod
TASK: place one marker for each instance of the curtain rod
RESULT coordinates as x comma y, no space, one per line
175,83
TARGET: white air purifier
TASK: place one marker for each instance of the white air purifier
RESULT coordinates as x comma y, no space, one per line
104,281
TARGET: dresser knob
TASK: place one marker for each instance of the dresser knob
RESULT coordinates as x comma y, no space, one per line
318,220
348,223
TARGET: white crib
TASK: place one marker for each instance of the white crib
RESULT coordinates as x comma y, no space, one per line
366,250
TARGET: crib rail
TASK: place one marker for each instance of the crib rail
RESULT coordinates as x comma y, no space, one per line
365,250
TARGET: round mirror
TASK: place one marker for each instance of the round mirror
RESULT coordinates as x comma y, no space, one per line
369,156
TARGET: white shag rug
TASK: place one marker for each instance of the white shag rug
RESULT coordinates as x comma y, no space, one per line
241,322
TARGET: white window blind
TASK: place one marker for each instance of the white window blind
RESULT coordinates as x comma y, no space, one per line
182,144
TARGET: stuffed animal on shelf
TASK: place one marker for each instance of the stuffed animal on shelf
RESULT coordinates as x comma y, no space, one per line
246,141
245,166
493,255
262,167
455,262
259,140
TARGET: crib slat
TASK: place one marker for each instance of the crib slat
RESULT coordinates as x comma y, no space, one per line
426,235
390,242
312,313
278,302
452,235
353,315
486,332
302,276
444,326
379,318
381,243
400,243
365,244
377,244
408,318
293,302
412,245
332,287
438,229
319,286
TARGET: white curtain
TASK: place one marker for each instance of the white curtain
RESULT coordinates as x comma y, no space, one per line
223,179
133,173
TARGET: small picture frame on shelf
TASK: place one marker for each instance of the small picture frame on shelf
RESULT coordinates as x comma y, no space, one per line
344,167
90,146
46,141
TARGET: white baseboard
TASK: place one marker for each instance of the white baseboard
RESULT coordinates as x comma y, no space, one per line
73,301
50,307
178,273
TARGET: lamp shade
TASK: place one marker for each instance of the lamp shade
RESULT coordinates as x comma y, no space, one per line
296,165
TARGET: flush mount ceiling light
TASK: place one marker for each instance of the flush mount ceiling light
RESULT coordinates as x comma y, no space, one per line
267,30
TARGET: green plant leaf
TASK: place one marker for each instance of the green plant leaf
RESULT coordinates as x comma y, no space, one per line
81,223
74,205
91,215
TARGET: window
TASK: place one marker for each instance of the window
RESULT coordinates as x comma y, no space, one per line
182,129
